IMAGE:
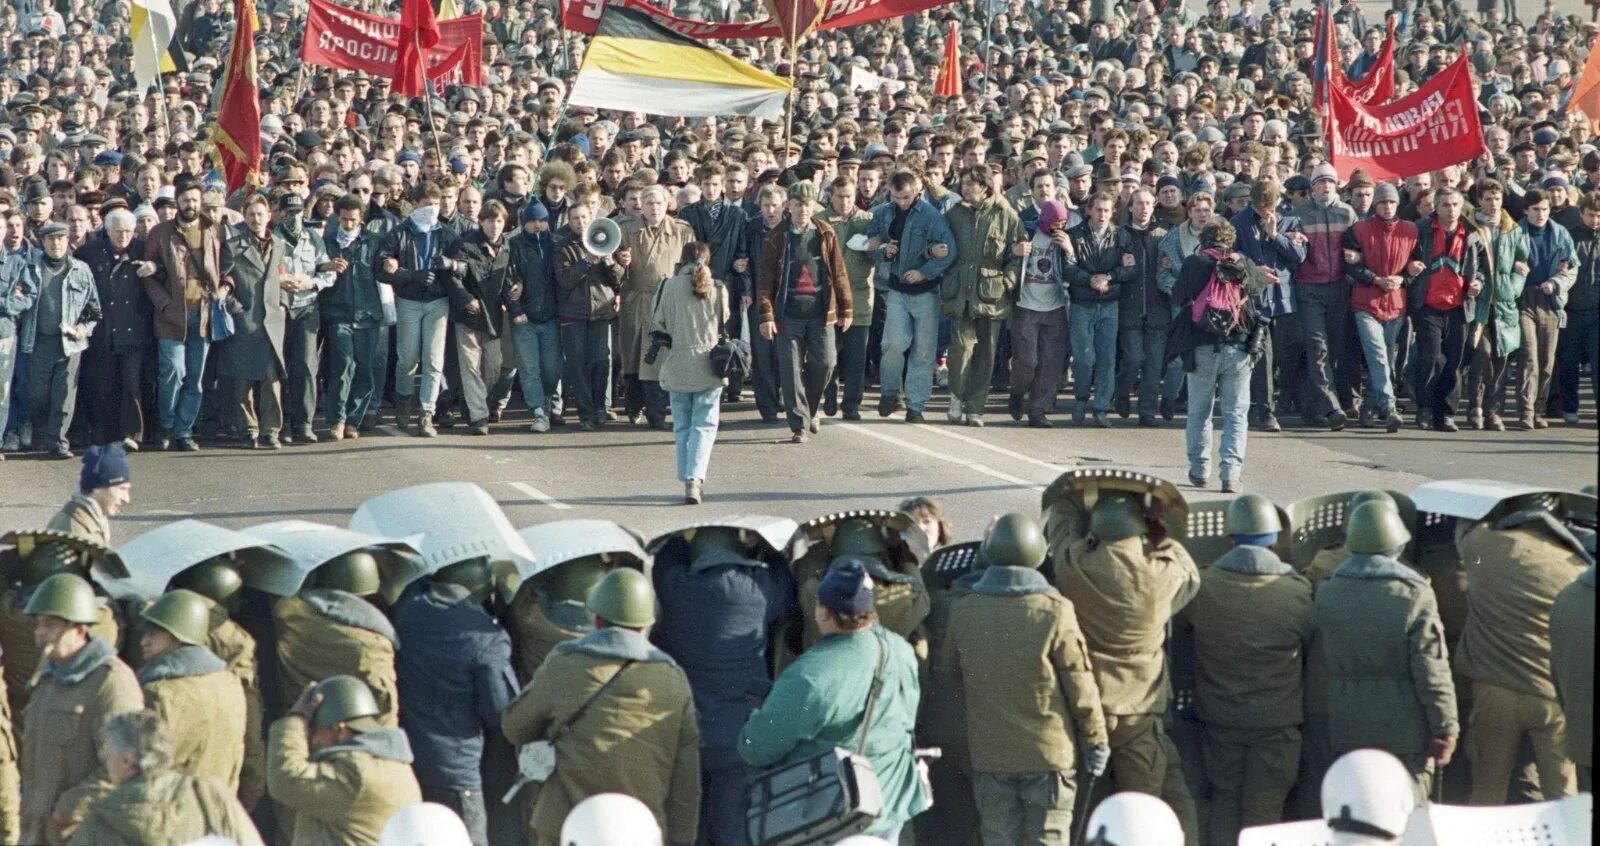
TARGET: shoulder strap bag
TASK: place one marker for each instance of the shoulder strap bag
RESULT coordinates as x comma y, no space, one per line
822,799
536,761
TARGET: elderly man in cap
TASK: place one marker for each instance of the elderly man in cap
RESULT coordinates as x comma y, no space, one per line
823,699
55,334
802,289
104,489
306,272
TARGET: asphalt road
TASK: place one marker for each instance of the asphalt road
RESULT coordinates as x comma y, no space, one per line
626,474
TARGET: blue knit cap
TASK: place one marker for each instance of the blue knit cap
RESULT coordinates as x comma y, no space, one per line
846,589
103,467
534,210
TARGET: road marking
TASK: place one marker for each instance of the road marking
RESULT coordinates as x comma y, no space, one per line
541,496
1000,450
935,454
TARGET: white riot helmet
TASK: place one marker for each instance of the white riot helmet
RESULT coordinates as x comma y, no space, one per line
425,824
1367,797
1133,819
610,819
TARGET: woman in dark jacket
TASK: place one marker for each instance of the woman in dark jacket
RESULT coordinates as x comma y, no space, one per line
477,305
589,289
1217,349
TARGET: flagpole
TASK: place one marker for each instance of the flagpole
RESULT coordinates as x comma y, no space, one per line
794,60
161,92
427,96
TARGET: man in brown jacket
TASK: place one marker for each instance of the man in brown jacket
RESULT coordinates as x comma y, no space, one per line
1515,569
803,289
81,683
330,628
620,714
1128,582
1251,622
187,252
191,688
1015,652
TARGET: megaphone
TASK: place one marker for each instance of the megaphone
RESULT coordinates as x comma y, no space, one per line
602,237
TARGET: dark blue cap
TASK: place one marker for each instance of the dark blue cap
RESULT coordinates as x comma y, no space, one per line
846,589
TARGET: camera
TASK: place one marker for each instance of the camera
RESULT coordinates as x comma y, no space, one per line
658,342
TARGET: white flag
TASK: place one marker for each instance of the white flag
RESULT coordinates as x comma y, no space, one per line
868,81
150,27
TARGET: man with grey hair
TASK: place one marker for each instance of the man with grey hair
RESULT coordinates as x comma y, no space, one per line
114,363
152,803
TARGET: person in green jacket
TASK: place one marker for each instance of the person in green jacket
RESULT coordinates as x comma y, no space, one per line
848,220
979,289
1496,330
151,802
819,702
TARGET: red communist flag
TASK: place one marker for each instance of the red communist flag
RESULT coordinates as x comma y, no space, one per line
1434,126
237,139
418,32
949,82
796,18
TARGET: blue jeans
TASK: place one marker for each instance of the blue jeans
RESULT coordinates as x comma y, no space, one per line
694,430
911,323
419,345
538,363
181,363
1218,370
353,389
1093,327
1378,339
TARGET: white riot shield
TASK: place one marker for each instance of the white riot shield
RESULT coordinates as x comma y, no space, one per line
775,532
448,522
1563,822
557,542
310,545
143,567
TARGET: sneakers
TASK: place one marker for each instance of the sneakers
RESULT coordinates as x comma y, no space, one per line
1446,424
913,416
1232,485
1101,421
1493,423
60,453
336,432
185,445
1336,420
1540,423
540,424
351,432
270,442
1474,419
1368,418
1014,406
304,435
478,427
1268,424
799,437
975,420
1391,423
425,428
130,444
954,415
1037,420
815,425
692,492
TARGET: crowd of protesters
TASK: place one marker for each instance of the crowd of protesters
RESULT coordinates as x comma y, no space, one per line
1041,233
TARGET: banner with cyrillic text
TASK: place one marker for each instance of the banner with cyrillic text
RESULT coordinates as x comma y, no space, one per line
1434,126
583,15
343,38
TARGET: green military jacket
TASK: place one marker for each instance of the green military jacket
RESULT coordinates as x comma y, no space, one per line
204,705
324,633
1124,594
1572,664
982,283
1251,622
22,654
639,736
82,517
1515,569
61,771
165,807
1014,647
535,631
230,642
857,263
341,795
1377,632
10,779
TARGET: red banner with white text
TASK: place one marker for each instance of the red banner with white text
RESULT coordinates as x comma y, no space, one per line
1434,126
583,15
343,38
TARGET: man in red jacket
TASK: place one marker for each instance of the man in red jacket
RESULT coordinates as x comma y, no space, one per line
1376,251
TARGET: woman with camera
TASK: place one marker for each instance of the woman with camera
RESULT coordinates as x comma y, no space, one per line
689,313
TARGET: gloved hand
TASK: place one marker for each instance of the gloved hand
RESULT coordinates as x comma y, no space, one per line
1095,759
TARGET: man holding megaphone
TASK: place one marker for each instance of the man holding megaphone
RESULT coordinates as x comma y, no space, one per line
588,300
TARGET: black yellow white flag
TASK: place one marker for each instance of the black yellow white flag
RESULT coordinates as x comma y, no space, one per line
635,64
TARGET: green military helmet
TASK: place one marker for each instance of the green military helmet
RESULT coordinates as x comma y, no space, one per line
218,581
573,581
1374,527
184,614
1370,495
474,574
345,699
353,572
1117,516
1015,541
624,598
47,559
1253,514
66,596
709,539
1591,490
857,536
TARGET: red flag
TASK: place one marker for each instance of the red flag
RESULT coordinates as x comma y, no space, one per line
237,139
1434,126
1586,91
949,82
1378,84
418,32
796,18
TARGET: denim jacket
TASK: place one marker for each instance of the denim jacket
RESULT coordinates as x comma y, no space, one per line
18,292
80,297
925,226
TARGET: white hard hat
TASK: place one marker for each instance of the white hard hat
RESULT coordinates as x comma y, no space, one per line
1134,819
1369,794
610,819
425,824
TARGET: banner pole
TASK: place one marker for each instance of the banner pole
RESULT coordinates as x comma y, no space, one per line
794,54
427,98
